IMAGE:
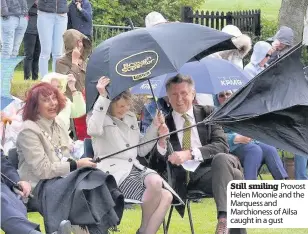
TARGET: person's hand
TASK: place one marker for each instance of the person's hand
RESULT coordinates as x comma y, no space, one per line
5,119
26,189
163,130
159,119
76,56
78,5
101,85
179,157
85,162
239,139
71,82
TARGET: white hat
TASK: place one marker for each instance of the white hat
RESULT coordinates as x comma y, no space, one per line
154,18
57,76
232,30
260,50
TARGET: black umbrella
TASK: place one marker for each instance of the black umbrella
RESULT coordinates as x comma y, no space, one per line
272,107
130,57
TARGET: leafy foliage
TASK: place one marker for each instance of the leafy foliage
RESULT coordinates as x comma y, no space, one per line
114,12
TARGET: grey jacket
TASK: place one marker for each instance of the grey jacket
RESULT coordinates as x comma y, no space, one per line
14,8
53,6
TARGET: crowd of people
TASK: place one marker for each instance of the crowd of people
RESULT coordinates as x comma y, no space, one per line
40,131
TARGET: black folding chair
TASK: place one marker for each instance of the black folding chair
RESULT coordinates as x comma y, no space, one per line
191,196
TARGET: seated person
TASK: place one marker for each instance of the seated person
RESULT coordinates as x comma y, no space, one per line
15,219
300,166
72,109
261,54
113,128
10,125
45,162
282,42
253,154
205,144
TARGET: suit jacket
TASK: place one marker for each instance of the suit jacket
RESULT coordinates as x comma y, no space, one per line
37,157
8,170
213,140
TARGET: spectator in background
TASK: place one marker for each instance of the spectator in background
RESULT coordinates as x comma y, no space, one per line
74,109
154,18
253,154
77,49
80,17
282,42
11,124
261,54
51,24
32,46
14,23
241,41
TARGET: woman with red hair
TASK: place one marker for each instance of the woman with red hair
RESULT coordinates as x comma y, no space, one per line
44,156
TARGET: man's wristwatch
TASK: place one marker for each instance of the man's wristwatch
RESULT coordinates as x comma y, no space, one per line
192,154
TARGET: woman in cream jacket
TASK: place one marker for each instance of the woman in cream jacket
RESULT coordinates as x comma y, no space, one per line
112,128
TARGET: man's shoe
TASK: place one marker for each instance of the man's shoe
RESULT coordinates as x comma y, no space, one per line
221,227
197,201
65,227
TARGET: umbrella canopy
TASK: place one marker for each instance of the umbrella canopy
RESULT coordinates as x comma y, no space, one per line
272,107
211,75
130,57
5,101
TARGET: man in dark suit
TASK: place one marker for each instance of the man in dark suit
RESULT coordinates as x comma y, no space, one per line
205,145
15,219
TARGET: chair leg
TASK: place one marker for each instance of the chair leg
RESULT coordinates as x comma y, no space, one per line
164,227
190,218
260,176
169,218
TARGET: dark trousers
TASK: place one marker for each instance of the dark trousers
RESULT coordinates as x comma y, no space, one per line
14,219
32,50
223,169
253,155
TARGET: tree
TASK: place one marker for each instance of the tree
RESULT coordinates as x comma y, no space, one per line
115,11
291,14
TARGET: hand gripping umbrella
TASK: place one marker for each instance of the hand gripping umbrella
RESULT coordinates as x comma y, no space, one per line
131,57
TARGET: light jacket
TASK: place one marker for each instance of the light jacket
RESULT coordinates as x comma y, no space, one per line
37,156
110,135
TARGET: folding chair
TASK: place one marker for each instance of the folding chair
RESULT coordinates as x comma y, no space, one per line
191,195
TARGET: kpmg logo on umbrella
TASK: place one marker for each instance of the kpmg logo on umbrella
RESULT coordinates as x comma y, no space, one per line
138,66
231,80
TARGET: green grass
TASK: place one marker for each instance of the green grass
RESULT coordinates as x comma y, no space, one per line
269,8
204,216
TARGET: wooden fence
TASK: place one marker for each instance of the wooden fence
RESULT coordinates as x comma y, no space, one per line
246,21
